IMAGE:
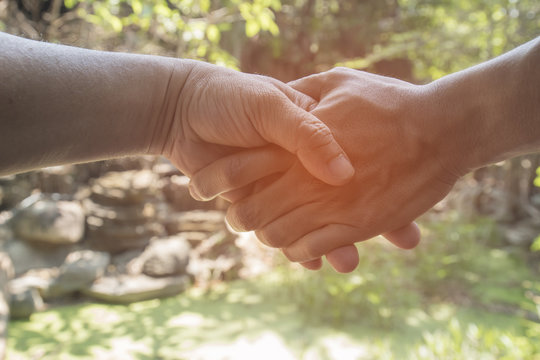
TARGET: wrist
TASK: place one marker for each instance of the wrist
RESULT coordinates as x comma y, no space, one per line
455,124
488,113
165,116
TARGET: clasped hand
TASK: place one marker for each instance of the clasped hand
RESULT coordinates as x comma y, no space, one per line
398,174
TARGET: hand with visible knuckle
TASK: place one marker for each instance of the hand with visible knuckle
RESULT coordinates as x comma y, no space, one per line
386,207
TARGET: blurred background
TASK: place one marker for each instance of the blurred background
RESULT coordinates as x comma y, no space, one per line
114,260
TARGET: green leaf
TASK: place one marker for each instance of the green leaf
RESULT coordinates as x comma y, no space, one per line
537,180
536,244
202,50
273,28
70,3
116,24
252,28
137,6
213,34
265,19
205,6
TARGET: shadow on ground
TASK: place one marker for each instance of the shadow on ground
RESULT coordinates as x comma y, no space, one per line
236,322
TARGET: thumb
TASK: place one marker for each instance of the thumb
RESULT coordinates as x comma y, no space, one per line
320,153
303,134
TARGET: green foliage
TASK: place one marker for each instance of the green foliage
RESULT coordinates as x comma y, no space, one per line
291,38
535,246
441,37
236,320
457,296
192,28
473,342
454,262
259,16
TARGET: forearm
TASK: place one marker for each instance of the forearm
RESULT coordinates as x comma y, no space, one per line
61,104
490,112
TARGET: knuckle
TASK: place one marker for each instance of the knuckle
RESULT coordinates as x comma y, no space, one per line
198,188
271,237
341,71
267,95
310,252
318,135
301,253
242,217
230,176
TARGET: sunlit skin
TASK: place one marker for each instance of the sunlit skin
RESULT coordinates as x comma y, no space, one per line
220,111
408,143
320,218
237,171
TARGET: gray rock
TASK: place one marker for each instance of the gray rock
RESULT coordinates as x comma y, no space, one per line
24,302
122,263
5,234
58,179
124,231
121,211
166,257
113,215
125,289
176,192
216,258
15,189
197,220
26,256
80,269
125,188
48,221
117,245
40,279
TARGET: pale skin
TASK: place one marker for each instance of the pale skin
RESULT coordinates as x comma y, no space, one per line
62,104
409,144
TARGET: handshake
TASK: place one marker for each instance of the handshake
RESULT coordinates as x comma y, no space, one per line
313,166
316,165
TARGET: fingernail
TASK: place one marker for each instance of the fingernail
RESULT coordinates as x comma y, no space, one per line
341,168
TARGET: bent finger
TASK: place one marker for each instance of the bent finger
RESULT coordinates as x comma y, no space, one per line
406,237
238,170
273,201
313,264
344,259
322,241
293,225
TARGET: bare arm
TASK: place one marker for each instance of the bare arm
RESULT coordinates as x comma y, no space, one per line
61,104
489,112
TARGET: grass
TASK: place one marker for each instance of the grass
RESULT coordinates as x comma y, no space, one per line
459,296
238,322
